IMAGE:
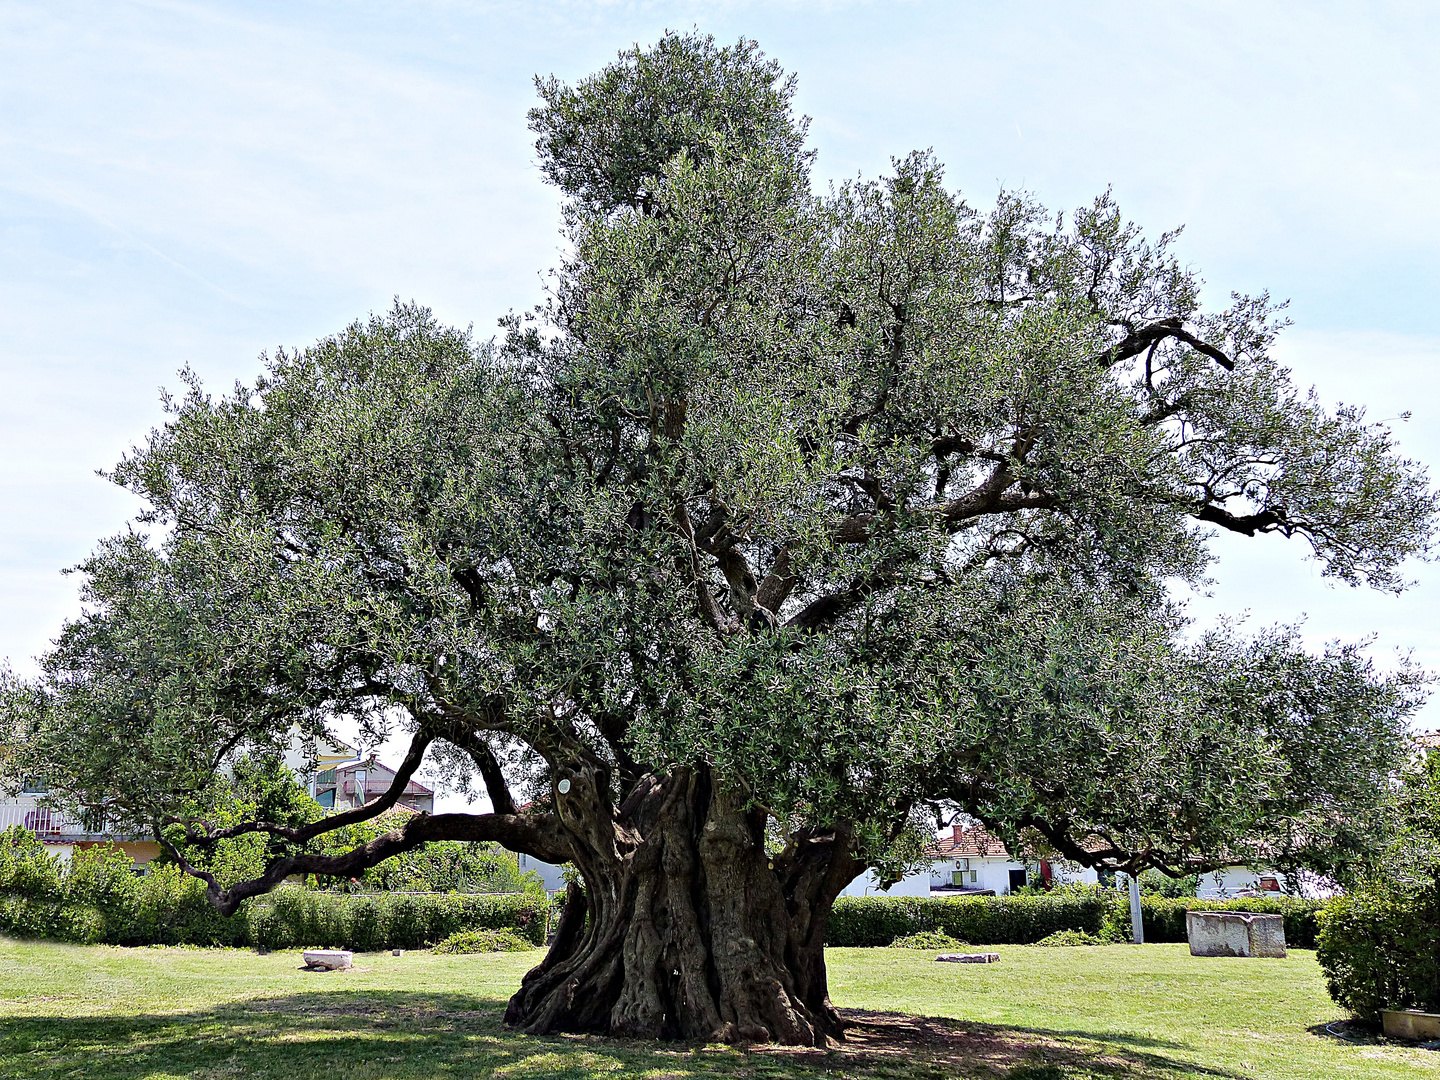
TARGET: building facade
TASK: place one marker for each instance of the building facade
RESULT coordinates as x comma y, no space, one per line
343,787
63,833
970,860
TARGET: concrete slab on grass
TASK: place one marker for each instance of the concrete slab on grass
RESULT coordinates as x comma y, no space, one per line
1235,933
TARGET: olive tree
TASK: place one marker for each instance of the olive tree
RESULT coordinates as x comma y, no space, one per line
792,522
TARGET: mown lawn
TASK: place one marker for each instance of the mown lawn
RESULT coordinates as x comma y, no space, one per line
1040,1014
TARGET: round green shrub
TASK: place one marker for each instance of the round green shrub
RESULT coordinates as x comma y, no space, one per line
1071,937
483,941
928,939
1380,949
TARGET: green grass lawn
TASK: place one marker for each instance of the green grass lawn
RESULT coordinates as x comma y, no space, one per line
1040,1014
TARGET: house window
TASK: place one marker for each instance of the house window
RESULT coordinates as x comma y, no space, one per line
974,877
326,798
33,786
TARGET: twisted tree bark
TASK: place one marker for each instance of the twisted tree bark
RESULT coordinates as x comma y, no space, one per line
686,927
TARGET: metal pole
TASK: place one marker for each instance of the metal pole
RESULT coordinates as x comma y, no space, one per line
1137,921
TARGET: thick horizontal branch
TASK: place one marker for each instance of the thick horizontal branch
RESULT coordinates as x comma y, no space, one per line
980,503
1101,853
1149,336
823,611
1249,524
540,836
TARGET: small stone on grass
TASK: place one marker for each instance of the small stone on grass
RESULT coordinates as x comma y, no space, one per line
328,959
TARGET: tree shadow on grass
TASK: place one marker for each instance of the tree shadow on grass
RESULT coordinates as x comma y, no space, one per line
402,1035
1024,1052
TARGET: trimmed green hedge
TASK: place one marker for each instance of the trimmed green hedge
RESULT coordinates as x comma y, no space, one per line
98,899
1380,949
980,920
1165,917
1023,920
294,917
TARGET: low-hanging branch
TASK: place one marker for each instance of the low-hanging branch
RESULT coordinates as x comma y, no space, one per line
539,836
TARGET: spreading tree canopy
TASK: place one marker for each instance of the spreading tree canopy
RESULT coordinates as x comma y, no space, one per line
792,521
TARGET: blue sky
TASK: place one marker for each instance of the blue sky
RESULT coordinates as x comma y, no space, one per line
193,183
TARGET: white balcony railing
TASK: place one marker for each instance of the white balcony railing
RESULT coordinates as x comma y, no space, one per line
51,824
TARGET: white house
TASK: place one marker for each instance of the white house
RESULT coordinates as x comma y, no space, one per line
1231,881
970,860
553,876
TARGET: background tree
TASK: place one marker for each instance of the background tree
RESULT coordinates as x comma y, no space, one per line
792,522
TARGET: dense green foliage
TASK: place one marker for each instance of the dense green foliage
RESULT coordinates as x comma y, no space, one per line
1380,949
870,503
1023,920
1413,855
97,898
1152,881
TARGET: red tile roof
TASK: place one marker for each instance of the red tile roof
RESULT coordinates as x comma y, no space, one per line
977,843
970,844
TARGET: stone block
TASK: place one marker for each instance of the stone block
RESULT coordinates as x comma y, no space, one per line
328,959
1411,1024
968,958
1235,933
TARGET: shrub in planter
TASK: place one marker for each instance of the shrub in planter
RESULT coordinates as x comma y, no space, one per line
1380,949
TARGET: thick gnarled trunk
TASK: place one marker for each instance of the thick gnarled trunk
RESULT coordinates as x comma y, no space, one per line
686,928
